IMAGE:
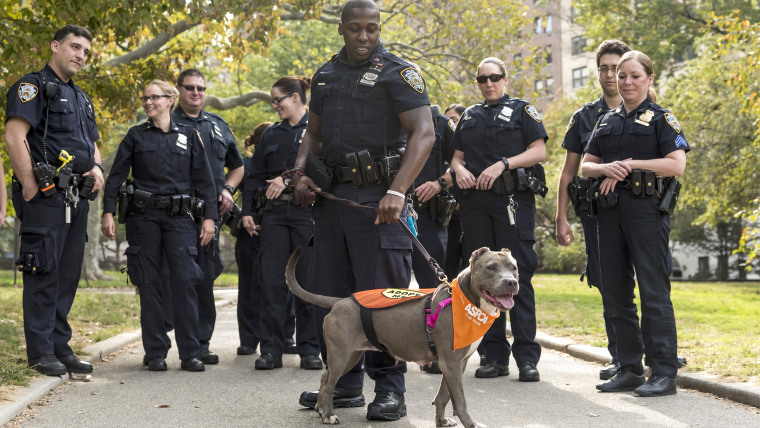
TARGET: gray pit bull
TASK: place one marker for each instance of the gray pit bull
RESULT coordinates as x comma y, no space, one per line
490,282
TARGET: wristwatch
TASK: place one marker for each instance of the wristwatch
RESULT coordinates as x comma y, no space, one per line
443,183
229,189
506,163
100,166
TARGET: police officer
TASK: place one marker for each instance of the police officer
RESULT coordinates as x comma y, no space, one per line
430,196
46,115
497,135
578,132
168,162
455,259
222,153
247,248
364,98
636,140
284,227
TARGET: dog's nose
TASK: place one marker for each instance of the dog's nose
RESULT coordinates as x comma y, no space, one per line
510,284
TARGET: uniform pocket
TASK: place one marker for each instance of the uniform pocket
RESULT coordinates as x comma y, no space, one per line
135,269
194,273
36,253
395,242
61,116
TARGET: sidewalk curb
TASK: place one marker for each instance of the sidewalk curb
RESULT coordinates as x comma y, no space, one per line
39,387
739,392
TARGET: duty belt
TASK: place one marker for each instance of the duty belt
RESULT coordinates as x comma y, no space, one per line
284,198
75,177
160,202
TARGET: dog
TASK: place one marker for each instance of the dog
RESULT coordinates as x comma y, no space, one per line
489,282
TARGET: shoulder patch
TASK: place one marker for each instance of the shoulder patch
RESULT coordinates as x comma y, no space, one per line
414,79
532,112
451,125
572,122
27,92
673,122
681,142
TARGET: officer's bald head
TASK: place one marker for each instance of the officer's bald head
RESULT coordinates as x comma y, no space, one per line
358,4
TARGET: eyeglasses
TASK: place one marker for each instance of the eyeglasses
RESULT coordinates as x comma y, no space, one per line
153,98
278,100
191,88
605,69
493,77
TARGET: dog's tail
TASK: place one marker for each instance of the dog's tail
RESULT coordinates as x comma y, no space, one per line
295,287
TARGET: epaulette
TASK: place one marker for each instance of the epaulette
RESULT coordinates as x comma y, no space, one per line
395,58
215,116
586,106
332,58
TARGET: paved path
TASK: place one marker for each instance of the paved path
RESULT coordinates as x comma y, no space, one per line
123,393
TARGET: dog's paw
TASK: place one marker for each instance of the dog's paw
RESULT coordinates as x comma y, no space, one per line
446,422
331,420
478,425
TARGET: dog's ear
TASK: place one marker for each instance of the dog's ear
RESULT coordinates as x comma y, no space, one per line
506,250
477,253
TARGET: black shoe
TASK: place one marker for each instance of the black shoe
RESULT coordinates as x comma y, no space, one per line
341,398
246,350
387,406
492,369
291,348
75,365
483,360
146,360
48,365
680,361
624,380
609,371
267,361
208,357
311,362
432,369
193,365
158,364
657,386
528,372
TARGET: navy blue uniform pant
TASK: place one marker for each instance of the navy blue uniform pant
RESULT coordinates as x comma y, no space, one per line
633,236
485,223
353,254
594,273
210,261
249,288
58,248
456,259
151,236
282,230
433,237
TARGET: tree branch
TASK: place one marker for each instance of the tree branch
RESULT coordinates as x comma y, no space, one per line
151,46
329,15
246,100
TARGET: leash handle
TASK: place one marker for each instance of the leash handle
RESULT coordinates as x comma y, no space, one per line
431,261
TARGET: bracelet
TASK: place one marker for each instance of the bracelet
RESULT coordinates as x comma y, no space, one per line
395,193
100,166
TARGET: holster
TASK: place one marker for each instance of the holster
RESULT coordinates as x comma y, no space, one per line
233,220
504,184
669,198
445,205
195,206
363,170
574,191
609,200
140,201
532,178
643,183
124,201
321,174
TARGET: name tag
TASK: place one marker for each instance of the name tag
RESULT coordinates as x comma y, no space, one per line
182,141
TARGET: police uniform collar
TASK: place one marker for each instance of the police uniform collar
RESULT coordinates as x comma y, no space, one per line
644,104
502,101
181,113
285,124
172,125
54,76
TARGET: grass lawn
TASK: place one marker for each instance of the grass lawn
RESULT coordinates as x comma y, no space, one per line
718,322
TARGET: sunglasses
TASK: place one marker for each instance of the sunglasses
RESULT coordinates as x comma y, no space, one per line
153,98
191,88
277,100
493,77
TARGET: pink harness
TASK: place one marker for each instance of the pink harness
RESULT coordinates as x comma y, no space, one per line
433,318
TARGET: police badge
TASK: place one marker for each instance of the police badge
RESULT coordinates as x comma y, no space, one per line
414,79
182,141
27,92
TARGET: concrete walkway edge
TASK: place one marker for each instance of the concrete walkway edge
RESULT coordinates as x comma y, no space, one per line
39,387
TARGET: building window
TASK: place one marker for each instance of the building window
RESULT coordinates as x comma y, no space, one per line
550,85
580,77
539,86
538,25
579,42
517,58
548,29
548,54
573,14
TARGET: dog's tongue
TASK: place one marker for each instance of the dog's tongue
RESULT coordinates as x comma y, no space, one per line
505,301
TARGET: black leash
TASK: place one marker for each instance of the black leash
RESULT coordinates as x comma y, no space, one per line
431,261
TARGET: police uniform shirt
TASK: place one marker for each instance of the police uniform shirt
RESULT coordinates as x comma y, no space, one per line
359,108
221,147
162,163
276,152
647,132
582,124
487,133
70,119
442,151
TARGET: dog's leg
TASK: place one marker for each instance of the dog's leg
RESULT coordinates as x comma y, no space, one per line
453,380
338,364
440,402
